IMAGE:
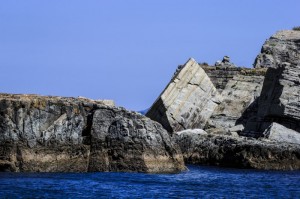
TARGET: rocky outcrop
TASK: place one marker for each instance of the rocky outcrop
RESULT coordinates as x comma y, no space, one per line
279,100
55,134
183,105
240,152
284,46
251,101
188,100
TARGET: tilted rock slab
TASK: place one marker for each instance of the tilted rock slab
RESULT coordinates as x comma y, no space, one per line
239,152
55,134
188,100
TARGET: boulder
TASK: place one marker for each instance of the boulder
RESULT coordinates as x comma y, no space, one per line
279,133
57,134
238,152
126,141
187,101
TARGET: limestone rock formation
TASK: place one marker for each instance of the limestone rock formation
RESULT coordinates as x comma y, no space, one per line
56,134
239,152
188,100
279,100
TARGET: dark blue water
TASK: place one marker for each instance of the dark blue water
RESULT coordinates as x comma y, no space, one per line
198,182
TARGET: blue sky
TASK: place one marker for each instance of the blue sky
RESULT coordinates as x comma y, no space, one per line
127,50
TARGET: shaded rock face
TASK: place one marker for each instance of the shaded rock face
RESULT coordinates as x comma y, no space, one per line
279,100
187,101
55,134
239,152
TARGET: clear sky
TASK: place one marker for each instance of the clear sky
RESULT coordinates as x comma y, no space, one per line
127,50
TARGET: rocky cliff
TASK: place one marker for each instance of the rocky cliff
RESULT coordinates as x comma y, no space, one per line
279,100
261,103
251,119
188,100
55,134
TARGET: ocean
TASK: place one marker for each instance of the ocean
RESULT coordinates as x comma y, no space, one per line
197,182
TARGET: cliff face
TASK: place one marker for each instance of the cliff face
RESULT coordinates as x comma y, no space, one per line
279,100
77,134
187,101
57,134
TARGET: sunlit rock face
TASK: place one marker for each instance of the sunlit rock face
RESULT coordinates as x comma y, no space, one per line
188,100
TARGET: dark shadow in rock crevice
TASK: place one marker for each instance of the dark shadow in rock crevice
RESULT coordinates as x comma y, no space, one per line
158,113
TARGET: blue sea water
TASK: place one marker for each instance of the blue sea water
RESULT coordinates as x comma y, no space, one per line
198,182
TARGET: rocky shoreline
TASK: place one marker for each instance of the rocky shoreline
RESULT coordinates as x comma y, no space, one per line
221,115
55,134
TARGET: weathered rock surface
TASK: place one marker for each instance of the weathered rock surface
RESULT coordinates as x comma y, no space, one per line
55,134
220,76
188,100
279,100
126,141
284,46
239,152
240,92
279,133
